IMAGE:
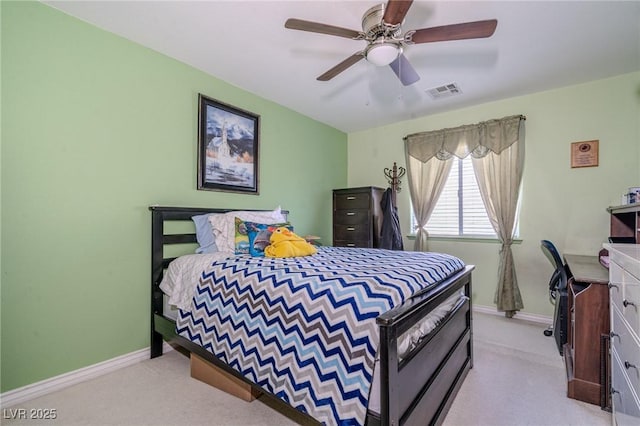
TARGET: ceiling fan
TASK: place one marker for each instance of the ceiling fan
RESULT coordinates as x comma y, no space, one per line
381,29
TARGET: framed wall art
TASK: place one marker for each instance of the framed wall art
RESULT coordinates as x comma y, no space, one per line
228,139
584,154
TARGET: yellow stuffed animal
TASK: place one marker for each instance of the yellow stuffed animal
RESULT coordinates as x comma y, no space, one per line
285,243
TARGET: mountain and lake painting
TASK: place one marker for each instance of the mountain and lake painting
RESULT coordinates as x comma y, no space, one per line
229,148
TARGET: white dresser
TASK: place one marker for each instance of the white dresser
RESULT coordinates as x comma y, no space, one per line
624,283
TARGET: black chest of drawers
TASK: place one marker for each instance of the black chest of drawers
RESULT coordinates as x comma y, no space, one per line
357,217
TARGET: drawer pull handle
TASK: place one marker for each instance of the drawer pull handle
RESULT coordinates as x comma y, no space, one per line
351,245
626,303
350,198
612,285
351,228
351,213
628,365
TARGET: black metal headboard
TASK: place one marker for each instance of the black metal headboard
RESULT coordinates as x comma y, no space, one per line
161,239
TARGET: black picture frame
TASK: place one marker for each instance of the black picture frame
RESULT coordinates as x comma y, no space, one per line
228,141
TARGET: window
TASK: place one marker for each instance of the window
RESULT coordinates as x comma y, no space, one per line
459,211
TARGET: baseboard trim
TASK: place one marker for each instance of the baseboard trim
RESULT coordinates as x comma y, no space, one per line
35,390
44,387
523,316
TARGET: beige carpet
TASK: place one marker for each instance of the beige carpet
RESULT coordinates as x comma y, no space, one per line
518,379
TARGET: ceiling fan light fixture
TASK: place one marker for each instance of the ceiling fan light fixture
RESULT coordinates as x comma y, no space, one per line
382,54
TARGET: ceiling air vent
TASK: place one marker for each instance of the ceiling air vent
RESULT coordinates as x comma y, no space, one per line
444,91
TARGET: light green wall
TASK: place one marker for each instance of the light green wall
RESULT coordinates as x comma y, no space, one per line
564,205
96,129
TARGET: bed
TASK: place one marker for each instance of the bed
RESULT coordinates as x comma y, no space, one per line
412,387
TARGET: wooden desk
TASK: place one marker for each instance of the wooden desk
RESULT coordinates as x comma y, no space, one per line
588,320
587,269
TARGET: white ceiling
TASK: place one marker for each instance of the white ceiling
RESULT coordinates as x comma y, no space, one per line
538,45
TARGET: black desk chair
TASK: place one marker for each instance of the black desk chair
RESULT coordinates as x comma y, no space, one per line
557,295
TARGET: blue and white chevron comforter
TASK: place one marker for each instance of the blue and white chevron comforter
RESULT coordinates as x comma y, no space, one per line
305,328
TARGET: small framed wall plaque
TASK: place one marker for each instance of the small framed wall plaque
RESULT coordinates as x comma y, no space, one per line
584,154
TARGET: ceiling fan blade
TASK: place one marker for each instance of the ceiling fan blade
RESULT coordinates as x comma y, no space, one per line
316,27
403,69
467,30
351,60
395,11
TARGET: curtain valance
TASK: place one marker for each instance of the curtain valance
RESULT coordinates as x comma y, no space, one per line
475,139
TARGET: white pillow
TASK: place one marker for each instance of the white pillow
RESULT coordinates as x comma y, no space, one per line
224,226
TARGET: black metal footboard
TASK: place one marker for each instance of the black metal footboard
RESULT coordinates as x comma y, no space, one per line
419,389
